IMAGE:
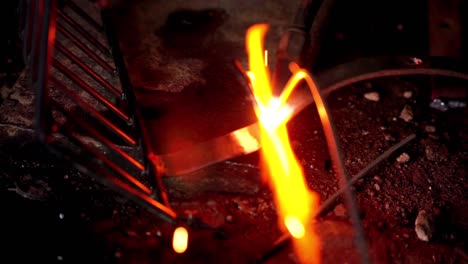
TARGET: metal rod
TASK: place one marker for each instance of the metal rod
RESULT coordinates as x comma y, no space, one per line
93,111
119,60
101,156
83,32
73,6
87,69
155,175
85,49
278,245
46,45
90,90
336,154
34,38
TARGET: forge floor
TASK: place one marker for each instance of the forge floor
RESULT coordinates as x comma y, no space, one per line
187,88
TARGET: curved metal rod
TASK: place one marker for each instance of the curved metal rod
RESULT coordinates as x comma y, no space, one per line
365,69
337,156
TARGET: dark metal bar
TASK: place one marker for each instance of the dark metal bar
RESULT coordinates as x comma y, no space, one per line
31,19
42,113
279,244
90,90
101,156
118,58
128,90
27,30
87,69
85,49
93,111
83,32
337,157
36,23
84,15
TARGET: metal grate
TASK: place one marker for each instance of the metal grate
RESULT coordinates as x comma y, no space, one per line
85,103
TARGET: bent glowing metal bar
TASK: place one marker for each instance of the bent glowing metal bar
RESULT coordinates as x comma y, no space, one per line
296,204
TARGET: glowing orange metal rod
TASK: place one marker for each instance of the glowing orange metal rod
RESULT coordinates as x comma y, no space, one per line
296,204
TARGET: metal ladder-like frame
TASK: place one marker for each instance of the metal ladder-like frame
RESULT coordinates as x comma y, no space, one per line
80,114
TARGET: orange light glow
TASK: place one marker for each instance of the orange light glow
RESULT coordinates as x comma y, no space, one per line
295,203
246,140
294,226
180,240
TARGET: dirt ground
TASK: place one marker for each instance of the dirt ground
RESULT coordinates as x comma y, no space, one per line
185,84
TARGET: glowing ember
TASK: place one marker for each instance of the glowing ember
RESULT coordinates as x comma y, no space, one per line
294,226
180,240
295,203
